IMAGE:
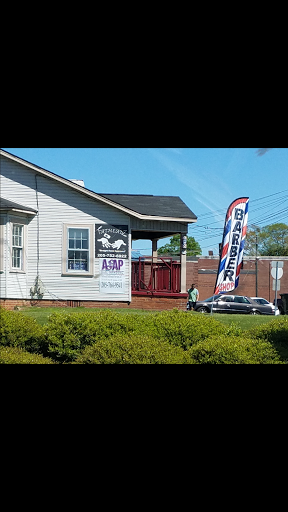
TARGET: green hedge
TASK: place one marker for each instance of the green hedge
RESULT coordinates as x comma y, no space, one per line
18,330
276,332
168,337
184,330
133,349
15,355
67,334
234,350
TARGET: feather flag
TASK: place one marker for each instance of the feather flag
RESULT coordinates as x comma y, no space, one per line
232,246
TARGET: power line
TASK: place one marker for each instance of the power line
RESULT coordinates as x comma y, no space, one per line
214,212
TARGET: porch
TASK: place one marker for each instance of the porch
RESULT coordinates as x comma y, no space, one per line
156,277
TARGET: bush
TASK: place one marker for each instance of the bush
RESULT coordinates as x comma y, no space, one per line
184,329
276,332
15,355
233,350
133,349
67,334
17,330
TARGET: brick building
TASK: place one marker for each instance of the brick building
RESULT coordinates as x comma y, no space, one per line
203,270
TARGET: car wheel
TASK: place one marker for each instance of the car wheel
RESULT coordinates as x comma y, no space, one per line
202,309
255,312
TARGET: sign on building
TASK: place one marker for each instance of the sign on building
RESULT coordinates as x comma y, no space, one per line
112,251
111,241
112,276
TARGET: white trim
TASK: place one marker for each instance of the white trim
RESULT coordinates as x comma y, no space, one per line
74,273
22,221
19,211
2,243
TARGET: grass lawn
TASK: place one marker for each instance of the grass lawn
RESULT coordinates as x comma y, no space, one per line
243,321
41,314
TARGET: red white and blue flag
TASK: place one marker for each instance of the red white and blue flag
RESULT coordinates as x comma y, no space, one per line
232,246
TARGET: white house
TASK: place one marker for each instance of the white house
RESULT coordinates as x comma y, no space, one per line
62,242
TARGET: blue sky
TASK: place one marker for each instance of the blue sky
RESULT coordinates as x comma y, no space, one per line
206,179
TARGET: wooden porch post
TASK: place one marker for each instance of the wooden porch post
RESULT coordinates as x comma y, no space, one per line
183,247
154,250
154,259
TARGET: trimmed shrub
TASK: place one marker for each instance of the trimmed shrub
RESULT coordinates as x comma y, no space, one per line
133,349
67,334
184,329
234,350
274,331
18,330
15,355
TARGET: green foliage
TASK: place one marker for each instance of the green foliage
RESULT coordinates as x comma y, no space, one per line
173,248
272,240
133,349
103,336
68,334
16,355
276,332
234,350
18,330
184,329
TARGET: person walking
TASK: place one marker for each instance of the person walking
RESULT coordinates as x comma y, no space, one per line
193,296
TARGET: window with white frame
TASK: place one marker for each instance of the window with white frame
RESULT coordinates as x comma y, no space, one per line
17,246
78,249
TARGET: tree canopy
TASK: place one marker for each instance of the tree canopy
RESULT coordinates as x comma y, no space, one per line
272,240
173,248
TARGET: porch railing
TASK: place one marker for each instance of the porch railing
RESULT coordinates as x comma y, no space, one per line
162,275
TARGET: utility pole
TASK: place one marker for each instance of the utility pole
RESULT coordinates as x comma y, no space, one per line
256,266
256,258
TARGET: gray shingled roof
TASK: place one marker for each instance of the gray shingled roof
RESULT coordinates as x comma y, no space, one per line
6,204
162,206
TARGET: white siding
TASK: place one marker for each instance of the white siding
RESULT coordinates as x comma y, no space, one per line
58,204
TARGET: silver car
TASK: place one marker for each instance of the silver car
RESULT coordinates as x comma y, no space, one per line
261,300
237,304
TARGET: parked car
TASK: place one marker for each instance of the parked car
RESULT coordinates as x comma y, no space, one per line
239,304
261,300
280,306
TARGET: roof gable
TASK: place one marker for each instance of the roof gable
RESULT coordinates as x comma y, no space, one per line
146,207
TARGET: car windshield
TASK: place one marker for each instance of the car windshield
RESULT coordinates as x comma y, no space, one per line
260,301
211,299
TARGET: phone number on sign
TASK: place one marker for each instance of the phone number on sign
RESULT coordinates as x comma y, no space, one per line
111,285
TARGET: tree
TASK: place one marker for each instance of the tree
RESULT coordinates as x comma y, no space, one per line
173,248
272,240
